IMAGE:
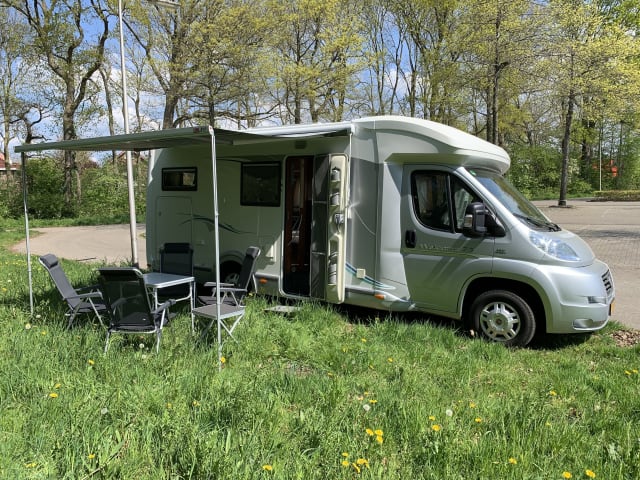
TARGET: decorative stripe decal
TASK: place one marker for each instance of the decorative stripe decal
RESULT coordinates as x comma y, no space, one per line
367,279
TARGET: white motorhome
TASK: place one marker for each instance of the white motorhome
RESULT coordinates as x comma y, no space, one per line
391,213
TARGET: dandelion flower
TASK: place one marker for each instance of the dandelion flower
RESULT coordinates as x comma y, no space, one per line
472,405
30,465
478,420
363,340
362,462
566,475
390,359
627,372
27,326
369,432
345,454
590,473
267,468
378,432
223,360
104,411
53,395
553,393
448,412
432,418
195,403
366,407
91,456
436,427
513,461
373,401
345,463
379,439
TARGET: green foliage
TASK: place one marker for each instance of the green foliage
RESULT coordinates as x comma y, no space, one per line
105,192
45,181
319,394
535,171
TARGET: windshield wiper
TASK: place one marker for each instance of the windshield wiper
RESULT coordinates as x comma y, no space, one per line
553,227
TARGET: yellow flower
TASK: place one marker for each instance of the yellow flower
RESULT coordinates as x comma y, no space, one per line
356,467
390,359
378,432
363,462
223,360
195,403
436,427
566,475
373,401
30,465
478,420
57,385
363,340
345,463
472,405
379,439
91,362
169,405
345,454
553,393
369,432
432,418
627,372
513,461
91,456
53,395
267,467
590,473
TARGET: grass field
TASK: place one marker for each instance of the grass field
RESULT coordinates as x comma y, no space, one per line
321,394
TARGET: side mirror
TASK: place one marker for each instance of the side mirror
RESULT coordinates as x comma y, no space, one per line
479,221
474,217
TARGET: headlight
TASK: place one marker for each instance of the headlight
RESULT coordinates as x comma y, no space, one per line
554,247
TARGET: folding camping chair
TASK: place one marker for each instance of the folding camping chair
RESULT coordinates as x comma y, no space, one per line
176,258
234,293
82,300
129,306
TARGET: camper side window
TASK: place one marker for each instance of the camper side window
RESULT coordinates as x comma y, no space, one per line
179,179
260,185
439,197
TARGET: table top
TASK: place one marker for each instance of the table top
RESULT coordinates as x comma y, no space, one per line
226,311
161,280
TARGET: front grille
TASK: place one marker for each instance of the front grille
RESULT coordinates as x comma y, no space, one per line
608,283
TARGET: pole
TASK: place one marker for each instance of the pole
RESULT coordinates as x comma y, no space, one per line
26,226
125,115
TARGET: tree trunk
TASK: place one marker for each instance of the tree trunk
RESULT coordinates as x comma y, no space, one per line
566,138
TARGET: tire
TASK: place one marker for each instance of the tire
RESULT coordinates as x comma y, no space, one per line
230,273
504,317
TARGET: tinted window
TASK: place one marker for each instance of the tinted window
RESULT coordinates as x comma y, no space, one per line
260,184
180,178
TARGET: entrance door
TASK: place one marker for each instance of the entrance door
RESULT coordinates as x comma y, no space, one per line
297,225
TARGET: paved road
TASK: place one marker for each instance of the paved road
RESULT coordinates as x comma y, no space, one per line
612,229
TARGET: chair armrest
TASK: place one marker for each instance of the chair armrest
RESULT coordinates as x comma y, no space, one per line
95,294
164,306
213,284
233,290
88,288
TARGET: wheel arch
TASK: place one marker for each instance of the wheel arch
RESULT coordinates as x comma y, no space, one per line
524,290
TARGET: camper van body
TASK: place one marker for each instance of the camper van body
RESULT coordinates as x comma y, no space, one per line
349,213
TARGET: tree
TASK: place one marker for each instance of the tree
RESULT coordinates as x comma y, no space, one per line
70,36
313,50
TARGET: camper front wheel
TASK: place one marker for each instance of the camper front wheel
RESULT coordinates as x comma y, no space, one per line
503,316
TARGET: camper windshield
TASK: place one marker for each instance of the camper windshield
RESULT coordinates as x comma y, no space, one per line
515,201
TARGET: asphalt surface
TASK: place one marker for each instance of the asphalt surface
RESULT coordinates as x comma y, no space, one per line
612,229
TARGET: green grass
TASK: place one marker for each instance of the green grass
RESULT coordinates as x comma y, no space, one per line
298,393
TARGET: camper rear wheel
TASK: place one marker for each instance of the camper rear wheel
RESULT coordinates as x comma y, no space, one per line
230,272
503,316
